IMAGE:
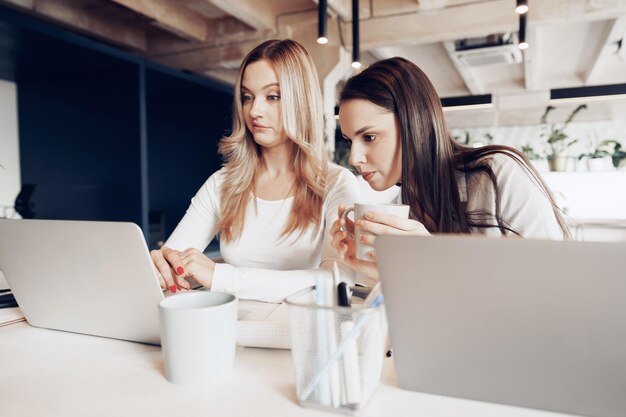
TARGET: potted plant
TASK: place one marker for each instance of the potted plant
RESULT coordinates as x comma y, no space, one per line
558,141
535,158
530,152
596,160
618,155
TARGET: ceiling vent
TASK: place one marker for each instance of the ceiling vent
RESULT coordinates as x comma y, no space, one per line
498,49
494,55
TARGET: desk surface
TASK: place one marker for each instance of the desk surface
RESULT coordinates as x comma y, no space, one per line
52,373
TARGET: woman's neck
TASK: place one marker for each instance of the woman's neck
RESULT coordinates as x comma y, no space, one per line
277,161
276,175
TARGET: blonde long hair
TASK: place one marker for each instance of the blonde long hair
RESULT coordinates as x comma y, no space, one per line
302,113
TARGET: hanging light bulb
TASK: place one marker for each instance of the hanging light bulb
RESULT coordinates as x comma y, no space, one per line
522,6
522,33
322,37
356,52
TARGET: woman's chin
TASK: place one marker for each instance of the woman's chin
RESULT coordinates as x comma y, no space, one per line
378,186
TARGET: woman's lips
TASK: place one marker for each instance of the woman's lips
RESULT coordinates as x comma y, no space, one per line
368,175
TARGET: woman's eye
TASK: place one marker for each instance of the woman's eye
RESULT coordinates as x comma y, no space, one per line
273,97
246,98
369,138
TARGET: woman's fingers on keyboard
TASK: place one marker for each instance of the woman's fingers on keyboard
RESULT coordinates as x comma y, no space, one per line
164,270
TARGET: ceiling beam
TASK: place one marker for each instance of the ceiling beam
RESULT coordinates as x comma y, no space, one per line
470,20
170,16
551,11
614,32
341,8
220,31
431,4
73,15
208,58
254,13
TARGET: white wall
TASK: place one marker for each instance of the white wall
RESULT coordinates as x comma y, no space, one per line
9,147
9,153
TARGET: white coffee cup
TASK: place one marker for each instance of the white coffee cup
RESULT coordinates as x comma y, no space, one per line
362,249
198,333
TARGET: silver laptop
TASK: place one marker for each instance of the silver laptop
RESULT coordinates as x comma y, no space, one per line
94,278
537,324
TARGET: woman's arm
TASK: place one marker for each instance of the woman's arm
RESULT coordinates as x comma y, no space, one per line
196,229
523,205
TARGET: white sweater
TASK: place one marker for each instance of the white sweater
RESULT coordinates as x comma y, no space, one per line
261,265
523,205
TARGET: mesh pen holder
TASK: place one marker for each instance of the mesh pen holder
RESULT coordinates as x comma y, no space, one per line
337,352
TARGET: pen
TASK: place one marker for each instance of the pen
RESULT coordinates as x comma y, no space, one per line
343,298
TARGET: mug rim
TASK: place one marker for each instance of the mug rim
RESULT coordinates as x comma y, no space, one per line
380,204
164,304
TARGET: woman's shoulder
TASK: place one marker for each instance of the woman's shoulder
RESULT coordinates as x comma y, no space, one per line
507,163
339,175
215,181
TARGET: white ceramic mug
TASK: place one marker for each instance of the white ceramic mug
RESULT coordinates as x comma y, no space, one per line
198,336
362,249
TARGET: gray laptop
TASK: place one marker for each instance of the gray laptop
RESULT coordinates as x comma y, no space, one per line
94,278
537,324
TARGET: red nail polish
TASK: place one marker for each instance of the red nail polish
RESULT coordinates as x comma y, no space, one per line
180,270
173,289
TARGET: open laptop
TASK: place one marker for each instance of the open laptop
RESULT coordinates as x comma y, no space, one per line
86,277
539,324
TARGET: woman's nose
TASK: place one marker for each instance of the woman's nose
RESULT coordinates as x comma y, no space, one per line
256,108
357,156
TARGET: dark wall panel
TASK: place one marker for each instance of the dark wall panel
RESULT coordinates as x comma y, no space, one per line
185,122
79,143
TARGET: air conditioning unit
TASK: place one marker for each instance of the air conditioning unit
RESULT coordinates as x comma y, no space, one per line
478,56
494,55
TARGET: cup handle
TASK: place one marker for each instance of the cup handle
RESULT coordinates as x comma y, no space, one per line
345,218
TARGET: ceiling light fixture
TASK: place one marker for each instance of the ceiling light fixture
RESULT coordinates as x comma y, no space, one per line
522,32
522,6
356,52
322,10
467,102
588,93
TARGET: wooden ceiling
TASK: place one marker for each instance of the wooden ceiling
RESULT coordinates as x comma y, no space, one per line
573,42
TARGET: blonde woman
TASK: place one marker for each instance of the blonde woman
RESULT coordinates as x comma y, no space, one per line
276,194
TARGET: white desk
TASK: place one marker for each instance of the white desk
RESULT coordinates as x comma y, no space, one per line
51,373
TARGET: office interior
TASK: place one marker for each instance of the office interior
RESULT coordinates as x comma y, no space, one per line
112,110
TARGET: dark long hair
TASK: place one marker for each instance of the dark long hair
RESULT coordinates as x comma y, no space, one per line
431,156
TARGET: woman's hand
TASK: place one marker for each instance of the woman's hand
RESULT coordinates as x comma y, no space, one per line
346,247
198,266
375,224
341,242
169,268
173,267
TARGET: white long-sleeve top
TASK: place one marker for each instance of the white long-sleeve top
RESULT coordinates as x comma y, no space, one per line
523,205
261,264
